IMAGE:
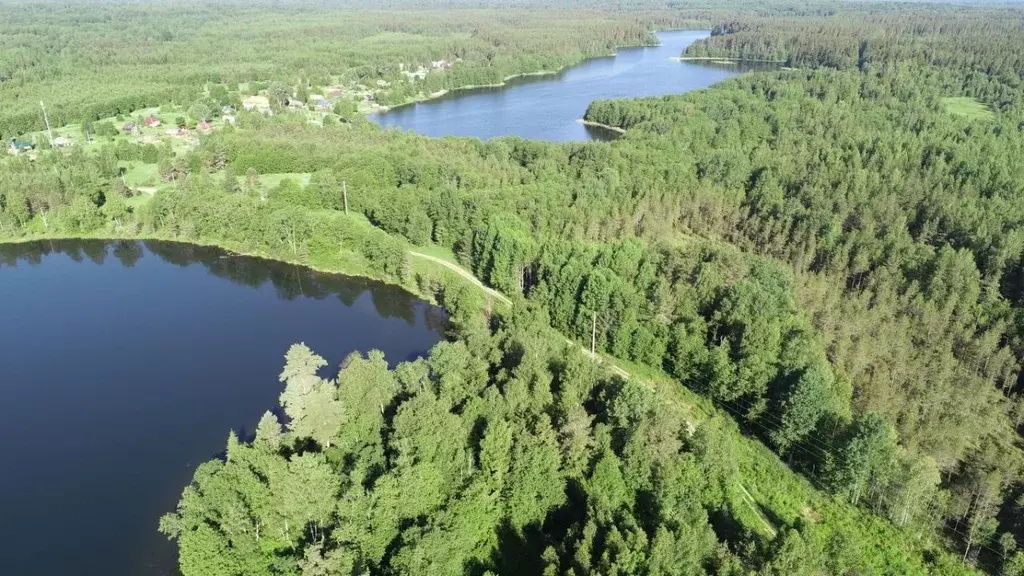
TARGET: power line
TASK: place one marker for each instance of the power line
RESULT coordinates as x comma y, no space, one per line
824,451
932,506
49,133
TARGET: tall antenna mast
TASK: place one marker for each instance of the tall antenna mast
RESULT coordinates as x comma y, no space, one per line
49,133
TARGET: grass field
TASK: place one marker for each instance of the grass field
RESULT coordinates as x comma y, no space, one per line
140,174
968,108
137,202
269,181
436,251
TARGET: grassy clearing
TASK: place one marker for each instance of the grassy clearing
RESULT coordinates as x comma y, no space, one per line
158,134
756,504
439,252
968,108
138,201
695,408
140,174
269,181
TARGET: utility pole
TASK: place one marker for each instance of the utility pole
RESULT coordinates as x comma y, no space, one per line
49,133
593,336
344,193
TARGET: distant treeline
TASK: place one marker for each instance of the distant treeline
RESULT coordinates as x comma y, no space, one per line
95,61
976,51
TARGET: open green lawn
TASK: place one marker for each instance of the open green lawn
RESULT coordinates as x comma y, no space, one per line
140,174
968,108
137,202
436,251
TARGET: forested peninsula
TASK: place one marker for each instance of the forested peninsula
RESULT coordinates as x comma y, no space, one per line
804,286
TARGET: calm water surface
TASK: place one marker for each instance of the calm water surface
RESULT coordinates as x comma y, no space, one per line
125,364
549,107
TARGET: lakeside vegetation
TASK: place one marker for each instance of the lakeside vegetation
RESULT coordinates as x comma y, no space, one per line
88,62
832,257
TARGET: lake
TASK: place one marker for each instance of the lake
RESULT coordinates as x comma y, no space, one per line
550,107
125,364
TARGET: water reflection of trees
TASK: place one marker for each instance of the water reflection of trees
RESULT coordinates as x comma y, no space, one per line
289,282
32,253
127,252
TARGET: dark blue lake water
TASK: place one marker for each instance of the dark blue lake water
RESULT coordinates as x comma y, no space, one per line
550,107
125,364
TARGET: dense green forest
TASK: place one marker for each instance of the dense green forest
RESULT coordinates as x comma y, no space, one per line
834,255
94,61
503,452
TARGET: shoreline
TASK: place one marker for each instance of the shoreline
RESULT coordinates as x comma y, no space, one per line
723,59
593,124
228,249
504,82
